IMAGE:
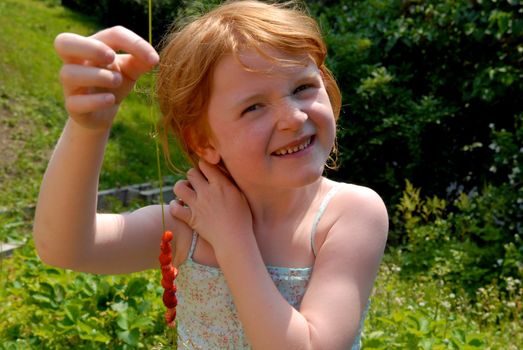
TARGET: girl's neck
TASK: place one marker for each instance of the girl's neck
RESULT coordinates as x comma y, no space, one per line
271,207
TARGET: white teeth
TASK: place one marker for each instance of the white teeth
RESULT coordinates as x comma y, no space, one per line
294,149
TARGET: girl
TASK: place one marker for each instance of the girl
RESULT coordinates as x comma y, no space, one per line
271,254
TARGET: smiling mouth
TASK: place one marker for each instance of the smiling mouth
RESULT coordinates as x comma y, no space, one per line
293,149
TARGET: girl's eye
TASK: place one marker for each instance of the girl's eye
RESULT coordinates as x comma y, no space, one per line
251,108
302,88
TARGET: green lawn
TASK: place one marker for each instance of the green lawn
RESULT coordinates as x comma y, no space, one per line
43,307
31,105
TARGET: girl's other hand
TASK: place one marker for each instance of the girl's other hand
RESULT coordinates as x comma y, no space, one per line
214,207
96,77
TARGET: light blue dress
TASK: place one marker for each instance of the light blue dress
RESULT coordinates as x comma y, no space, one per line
206,315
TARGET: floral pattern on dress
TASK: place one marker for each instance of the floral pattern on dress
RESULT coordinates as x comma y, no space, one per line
206,315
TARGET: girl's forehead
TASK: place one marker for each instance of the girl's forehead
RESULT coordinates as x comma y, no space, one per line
269,63
251,75
269,60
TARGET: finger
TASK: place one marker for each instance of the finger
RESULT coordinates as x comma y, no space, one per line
180,212
133,67
75,76
83,104
196,179
120,38
184,191
74,48
211,172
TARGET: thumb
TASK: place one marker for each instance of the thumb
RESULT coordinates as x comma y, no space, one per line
181,212
133,67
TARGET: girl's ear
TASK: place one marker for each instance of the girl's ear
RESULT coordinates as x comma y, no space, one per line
203,146
209,153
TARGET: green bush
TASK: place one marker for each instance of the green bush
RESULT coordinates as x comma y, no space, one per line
422,83
469,243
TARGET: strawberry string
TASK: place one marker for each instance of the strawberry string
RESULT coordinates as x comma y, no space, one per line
169,272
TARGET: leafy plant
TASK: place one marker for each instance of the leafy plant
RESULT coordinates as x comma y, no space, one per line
470,243
422,81
59,309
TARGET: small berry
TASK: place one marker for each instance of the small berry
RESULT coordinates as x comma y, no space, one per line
165,259
169,298
167,284
169,273
167,236
165,247
170,316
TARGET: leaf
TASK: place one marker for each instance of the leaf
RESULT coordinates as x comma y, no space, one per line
475,340
120,306
459,335
478,343
129,337
427,344
122,321
136,287
141,322
89,332
374,343
72,312
44,301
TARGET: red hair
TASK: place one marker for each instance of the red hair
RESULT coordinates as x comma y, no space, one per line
191,52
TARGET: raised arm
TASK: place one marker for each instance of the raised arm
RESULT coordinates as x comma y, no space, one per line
95,79
354,230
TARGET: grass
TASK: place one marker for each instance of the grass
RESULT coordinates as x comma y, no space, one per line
31,119
31,105
30,97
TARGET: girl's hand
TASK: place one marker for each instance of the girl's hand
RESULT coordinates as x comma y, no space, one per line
214,207
96,77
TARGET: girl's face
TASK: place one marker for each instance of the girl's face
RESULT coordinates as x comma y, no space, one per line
272,126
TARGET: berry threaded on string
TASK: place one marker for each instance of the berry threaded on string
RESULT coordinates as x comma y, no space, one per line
169,273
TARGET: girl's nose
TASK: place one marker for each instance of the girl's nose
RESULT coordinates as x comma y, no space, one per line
289,115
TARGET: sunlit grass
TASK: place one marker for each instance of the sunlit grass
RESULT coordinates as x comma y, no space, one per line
420,312
31,105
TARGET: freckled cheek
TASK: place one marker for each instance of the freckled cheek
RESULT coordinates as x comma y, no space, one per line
252,141
241,144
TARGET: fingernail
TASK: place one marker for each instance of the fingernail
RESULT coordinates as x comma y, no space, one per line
153,58
117,79
108,98
109,56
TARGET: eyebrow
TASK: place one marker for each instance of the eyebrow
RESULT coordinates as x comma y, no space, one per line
308,73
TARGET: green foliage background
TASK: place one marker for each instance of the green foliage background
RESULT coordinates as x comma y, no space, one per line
432,119
425,83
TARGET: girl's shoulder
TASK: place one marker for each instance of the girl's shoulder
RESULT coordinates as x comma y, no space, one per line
356,213
351,197
358,192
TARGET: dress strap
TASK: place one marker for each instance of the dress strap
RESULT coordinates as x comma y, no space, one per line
193,244
320,212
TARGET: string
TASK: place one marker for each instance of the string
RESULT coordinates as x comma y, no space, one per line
157,143
151,116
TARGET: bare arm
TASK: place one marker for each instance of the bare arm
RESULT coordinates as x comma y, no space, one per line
344,270
67,230
337,293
